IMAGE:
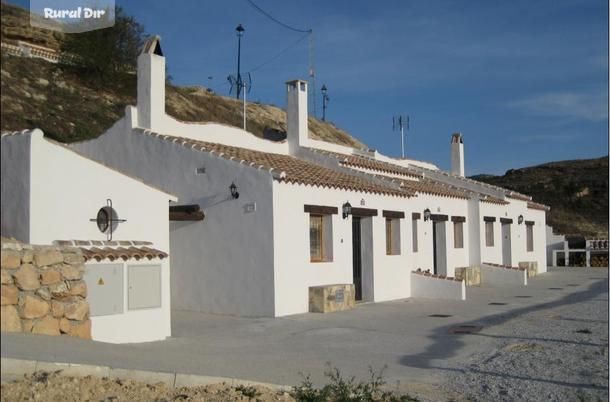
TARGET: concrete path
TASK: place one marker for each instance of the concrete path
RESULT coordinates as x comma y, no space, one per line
404,336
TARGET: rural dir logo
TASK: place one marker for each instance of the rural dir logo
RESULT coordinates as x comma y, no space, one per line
72,16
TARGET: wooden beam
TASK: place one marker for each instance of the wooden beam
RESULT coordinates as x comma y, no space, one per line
393,214
529,223
458,219
489,218
416,215
186,216
439,218
320,209
364,212
506,220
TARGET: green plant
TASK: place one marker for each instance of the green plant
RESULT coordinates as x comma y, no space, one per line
340,389
247,391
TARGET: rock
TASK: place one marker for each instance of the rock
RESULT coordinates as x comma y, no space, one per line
47,326
27,256
73,258
34,307
77,310
43,82
11,259
26,277
78,288
50,276
64,325
44,293
9,319
47,257
59,290
72,272
39,97
27,325
5,277
57,308
80,329
9,295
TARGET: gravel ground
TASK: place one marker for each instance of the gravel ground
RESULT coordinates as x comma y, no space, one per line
45,386
558,353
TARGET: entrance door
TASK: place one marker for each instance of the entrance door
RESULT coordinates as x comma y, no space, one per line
439,247
506,254
357,256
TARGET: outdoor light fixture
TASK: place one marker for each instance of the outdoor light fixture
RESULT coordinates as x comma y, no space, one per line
520,219
427,214
346,209
107,219
234,192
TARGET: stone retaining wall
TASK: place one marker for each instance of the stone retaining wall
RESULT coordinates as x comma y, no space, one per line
43,290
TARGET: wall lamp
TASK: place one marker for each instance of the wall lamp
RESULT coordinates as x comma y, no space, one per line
427,214
520,219
346,209
234,192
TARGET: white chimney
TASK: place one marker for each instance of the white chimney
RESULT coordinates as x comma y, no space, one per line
296,115
151,84
457,155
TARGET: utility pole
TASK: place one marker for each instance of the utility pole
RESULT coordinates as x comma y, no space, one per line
325,100
400,123
240,32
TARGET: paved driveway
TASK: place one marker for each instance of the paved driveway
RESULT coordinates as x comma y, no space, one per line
403,336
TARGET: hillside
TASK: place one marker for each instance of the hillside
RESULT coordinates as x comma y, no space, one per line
576,191
36,93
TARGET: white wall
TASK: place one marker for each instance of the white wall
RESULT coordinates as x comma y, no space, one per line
15,185
143,325
294,273
502,276
553,242
434,288
223,264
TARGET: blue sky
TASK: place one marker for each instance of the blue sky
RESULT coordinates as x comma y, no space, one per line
524,81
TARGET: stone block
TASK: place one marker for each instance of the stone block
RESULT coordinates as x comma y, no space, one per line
57,308
27,256
73,258
26,277
59,290
329,298
50,276
72,272
531,267
64,325
46,326
44,257
80,329
78,288
77,310
11,259
9,319
34,307
5,277
470,275
44,293
9,295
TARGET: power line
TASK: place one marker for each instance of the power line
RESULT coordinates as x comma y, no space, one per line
266,14
277,55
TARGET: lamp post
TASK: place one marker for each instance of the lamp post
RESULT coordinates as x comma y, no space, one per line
346,209
325,100
427,214
240,32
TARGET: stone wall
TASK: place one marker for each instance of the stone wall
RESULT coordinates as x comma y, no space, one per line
43,290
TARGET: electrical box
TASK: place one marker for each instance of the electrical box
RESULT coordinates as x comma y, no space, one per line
104,288
144,286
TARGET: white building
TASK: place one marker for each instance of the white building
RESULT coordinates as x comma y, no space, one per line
52,195
273,222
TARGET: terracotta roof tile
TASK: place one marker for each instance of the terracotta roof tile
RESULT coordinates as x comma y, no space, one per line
518,196
114,253
290,169
434,188
370,164
494,200
535,205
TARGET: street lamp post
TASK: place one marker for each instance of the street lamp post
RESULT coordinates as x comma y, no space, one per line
240,32
325,100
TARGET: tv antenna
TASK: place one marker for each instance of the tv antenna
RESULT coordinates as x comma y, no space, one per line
243,84
400,123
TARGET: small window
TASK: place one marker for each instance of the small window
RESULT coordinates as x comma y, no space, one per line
320,238
489,234
458,234
392,236
414,228
529,236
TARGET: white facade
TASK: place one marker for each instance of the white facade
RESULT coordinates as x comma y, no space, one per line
60,193
250,256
